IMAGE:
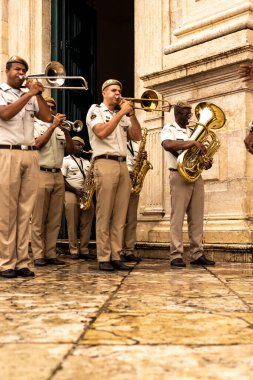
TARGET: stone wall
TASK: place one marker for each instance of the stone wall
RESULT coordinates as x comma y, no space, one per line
193,51
25,31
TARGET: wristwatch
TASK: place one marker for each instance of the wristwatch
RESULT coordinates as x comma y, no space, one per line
251,126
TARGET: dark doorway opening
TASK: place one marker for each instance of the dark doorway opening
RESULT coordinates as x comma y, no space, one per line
93,39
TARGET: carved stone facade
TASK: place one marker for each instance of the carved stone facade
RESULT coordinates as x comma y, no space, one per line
184,49
25,31
191,50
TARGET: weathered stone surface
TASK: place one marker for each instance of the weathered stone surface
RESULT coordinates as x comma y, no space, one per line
74,322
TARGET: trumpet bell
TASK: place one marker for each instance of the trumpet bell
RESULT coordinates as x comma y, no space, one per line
55,69
77,126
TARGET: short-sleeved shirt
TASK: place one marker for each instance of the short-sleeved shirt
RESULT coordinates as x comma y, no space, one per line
132,152
116,142
174,132
19,130
72,172
52,153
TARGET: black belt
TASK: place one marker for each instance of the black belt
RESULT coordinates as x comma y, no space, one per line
53,170
173,170
110,157
20,147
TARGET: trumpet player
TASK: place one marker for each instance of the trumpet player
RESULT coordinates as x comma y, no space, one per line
186,197
19,165
109,128
51,141
74,170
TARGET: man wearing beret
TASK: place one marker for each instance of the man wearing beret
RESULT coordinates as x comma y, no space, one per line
19,165
186,197
51,141
110,125
75,169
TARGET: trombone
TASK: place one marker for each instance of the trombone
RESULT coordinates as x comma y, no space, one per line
55,75
149,102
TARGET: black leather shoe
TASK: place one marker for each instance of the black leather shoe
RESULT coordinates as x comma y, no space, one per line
177,263
25,272
119,265
8,273
55,261
87,256
131,257
75,256
202,260
40,263
106,266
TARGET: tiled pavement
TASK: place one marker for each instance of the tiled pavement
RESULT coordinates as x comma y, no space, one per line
74,323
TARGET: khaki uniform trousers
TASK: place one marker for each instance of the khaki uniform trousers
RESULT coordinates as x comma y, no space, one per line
18,187
186,198
47,214
113,188
74,216
131,224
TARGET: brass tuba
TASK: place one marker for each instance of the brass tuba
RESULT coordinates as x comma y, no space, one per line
191,162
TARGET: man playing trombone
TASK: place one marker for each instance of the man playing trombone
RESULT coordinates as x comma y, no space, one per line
19,165
110,124
51,140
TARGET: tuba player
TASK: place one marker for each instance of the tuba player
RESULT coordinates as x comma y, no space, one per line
186,197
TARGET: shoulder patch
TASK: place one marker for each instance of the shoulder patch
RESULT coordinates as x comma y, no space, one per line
93,116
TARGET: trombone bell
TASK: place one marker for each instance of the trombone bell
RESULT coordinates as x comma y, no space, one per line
55,76
149,102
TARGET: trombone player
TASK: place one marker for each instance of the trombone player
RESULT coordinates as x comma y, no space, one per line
186,197
109,128
19,165
51,140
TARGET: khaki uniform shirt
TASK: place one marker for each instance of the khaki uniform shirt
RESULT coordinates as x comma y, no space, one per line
116,142
72,172
52,153
174,132
19,130
132,152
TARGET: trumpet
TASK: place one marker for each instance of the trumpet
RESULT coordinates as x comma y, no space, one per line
75,126
55,75
149,102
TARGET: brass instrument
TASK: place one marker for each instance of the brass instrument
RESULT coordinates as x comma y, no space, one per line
149,102
141,166
88,188
55,75
191,162
75,126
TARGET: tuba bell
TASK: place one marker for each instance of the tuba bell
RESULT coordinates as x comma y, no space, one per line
191,162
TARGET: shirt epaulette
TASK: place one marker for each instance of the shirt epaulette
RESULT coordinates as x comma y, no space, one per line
98,105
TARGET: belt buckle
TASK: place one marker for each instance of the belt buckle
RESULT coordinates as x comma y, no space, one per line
54,170
120,158
24,147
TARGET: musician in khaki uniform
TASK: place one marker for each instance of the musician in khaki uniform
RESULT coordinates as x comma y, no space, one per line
19,165
109,128
74,169
51,141
186,197
129,237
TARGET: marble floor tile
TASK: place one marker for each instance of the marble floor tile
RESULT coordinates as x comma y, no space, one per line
160,362
151,323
